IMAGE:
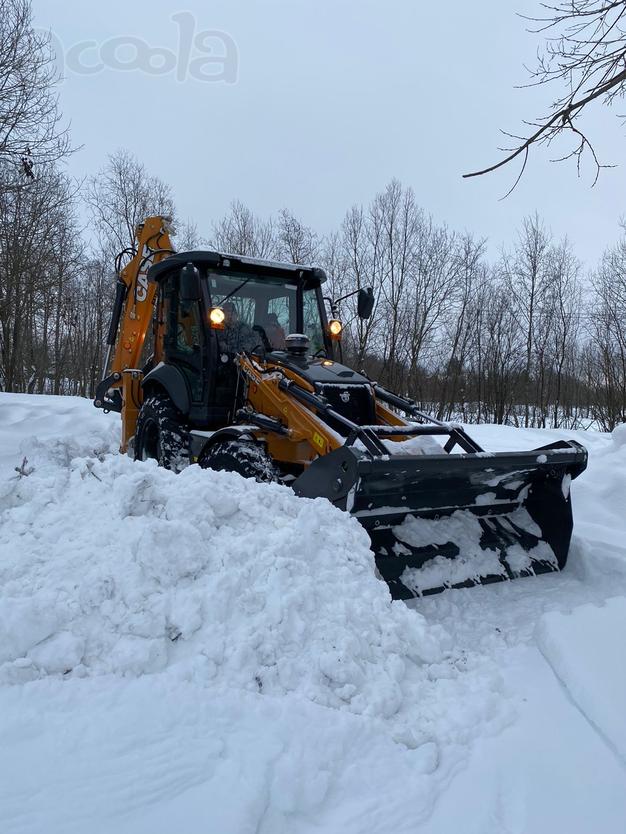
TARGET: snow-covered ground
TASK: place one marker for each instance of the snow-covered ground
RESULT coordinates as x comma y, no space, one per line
200,653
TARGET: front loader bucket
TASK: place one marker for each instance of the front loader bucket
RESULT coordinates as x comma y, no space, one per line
441,521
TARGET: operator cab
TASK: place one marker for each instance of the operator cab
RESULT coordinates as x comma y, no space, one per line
213,306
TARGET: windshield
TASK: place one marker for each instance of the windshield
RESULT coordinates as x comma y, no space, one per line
262,311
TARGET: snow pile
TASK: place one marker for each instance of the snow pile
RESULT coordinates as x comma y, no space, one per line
598,503
619,436
30,421
109,566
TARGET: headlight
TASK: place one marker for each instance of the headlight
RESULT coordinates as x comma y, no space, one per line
216,317
335,328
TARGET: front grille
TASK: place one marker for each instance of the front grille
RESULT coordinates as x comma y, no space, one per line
356,402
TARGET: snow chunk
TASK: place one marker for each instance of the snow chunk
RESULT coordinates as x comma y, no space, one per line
59,653
461,528
25,622
565,485
420,445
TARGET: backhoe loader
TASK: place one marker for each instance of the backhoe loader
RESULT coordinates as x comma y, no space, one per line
245,374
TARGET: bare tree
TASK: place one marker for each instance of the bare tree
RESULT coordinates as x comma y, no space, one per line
120,196
608,334
241,233
394,226
39,245
562,320
296,243
352,261
188,237
434,291
527,275
585,57
460,325
499,359
31,134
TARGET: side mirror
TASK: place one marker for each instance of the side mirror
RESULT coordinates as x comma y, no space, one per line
189,284
365,303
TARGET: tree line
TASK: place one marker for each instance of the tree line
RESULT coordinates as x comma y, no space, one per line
528,338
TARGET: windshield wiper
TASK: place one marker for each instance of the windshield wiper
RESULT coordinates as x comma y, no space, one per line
243,284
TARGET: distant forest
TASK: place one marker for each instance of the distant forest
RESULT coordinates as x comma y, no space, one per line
530,339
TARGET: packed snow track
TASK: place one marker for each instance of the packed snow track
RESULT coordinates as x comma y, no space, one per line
198,652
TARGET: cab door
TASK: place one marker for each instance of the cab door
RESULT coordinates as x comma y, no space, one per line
185,343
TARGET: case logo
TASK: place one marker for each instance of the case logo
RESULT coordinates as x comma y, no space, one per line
142,278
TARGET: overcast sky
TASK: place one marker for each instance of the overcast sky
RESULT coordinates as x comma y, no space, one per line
330,100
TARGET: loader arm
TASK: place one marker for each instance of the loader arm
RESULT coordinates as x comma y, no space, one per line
130,320
301,431
304,435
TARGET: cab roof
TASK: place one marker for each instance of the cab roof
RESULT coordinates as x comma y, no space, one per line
311,276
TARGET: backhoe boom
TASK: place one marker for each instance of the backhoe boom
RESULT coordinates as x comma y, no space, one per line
130,320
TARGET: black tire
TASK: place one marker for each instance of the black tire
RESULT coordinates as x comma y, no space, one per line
162,433
246,457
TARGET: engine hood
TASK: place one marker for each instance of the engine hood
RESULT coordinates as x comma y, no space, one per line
319,372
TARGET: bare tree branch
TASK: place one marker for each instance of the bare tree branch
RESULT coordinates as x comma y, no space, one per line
587,54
